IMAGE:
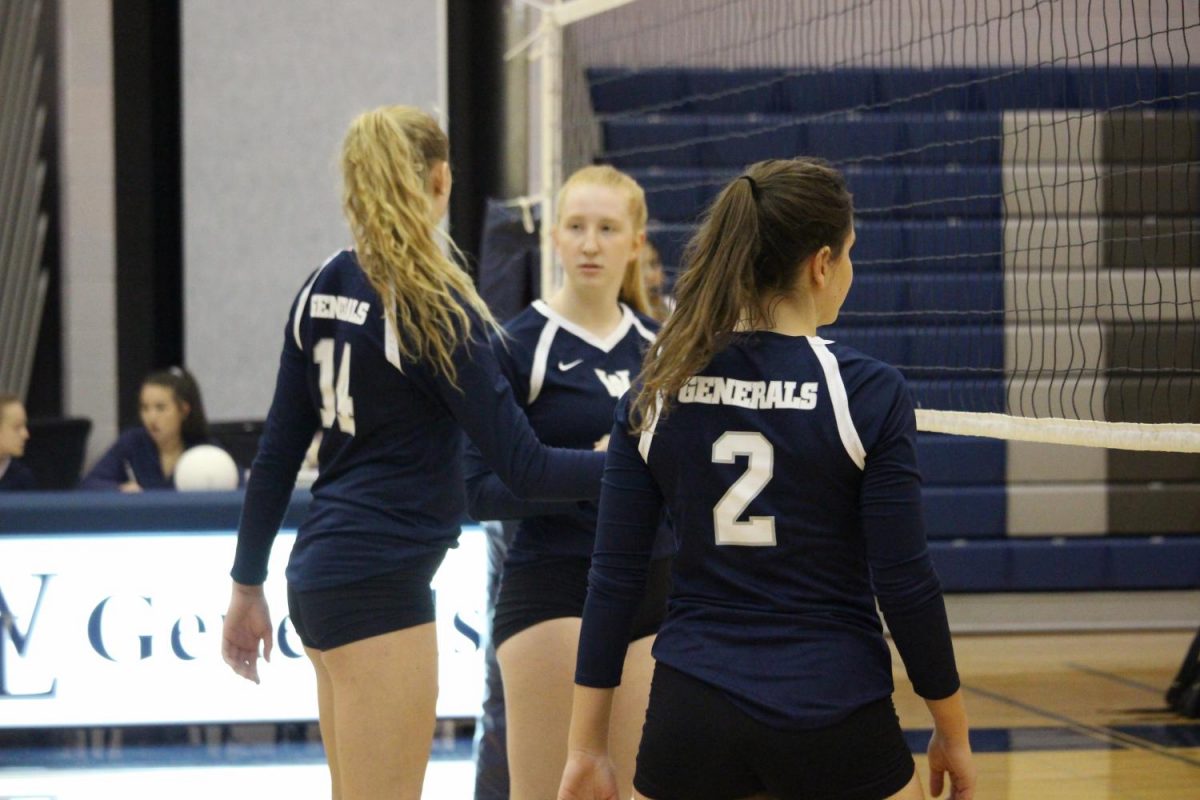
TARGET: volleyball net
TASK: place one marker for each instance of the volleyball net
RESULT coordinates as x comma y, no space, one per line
1026,179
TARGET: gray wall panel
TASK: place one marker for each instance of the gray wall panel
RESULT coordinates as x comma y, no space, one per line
268,89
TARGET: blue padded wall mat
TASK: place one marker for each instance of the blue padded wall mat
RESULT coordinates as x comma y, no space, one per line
965,512
681,194
963,298
733,141
743,91
1053,564
972,566
946,245
1155,562
958,460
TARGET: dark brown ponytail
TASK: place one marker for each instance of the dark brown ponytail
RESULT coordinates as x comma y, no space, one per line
750,244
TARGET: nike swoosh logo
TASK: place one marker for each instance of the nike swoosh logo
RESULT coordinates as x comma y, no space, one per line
571,365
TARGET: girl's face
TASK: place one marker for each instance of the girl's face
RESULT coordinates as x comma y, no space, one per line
162,413
13,431
595,239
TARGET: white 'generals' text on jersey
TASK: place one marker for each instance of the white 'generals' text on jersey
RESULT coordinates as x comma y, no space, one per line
343,309
749,394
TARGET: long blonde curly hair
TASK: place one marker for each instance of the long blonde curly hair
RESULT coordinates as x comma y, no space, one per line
388,159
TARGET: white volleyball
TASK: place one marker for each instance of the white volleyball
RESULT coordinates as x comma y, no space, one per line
205,468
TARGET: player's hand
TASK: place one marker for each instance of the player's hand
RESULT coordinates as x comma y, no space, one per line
955,759
588,776
130,487
601,445
247,624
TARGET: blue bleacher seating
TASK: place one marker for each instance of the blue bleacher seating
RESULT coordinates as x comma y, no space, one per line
922,154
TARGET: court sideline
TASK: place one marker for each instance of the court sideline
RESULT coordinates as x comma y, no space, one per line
1054,717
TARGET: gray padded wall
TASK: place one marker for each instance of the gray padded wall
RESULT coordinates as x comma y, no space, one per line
268,89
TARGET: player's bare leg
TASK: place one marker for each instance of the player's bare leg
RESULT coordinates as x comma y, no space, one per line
537,667
326,718
629,711
385,700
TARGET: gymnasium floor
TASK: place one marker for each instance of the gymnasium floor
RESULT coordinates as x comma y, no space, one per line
1055,717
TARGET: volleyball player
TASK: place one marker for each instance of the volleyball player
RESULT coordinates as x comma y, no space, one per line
569,359
787,463
386,351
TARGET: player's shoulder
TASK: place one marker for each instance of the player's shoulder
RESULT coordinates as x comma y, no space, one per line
518,339
340,274
644,325
859,368
528,323
874,388
522,332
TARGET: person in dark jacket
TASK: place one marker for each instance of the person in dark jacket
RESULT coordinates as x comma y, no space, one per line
144,457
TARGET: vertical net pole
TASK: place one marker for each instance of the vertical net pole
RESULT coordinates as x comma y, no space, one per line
550,141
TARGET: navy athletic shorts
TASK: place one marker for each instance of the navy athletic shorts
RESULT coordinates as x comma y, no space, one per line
698,745
556,587
329,618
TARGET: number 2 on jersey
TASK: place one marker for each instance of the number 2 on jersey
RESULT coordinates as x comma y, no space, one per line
760,466
336,402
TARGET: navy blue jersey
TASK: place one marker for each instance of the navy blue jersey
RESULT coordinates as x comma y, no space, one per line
390,486
16,477
133,457
568,381
789,468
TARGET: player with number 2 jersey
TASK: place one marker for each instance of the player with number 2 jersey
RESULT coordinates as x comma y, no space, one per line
788,465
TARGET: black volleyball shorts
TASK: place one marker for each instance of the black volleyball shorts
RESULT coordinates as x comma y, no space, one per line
329,618
556,587
698,745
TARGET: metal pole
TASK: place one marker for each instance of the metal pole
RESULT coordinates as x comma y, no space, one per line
551,141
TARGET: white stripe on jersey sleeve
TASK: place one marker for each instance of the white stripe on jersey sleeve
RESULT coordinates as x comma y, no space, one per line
647,437
302,301
841,404
391,345
541,356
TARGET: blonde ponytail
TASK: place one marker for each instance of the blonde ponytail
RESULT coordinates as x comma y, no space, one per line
388,158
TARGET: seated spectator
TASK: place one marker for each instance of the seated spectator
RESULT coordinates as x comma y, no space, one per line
145,457
14,476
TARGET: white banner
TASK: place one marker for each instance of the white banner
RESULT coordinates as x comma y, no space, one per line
103,629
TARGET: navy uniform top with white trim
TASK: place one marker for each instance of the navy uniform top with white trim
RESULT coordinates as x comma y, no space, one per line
568,380
789,468
390,486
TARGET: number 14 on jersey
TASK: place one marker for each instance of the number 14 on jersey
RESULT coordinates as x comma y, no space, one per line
336,403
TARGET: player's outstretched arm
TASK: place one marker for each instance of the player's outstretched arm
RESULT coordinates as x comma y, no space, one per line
247,625
950,749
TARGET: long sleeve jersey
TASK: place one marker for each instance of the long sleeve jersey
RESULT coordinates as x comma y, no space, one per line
390,485
789,469
568,382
